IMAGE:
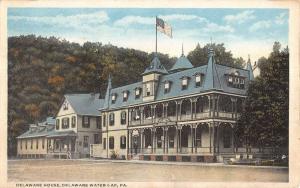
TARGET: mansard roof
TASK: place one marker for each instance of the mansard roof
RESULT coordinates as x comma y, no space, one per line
176,91
40,129
155,67
85,104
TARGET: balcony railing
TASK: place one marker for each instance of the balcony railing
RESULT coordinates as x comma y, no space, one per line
225,114
183,117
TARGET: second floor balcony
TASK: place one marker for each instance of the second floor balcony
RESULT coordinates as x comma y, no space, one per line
188,109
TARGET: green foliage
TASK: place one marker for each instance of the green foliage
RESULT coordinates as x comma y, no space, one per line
264,121
199,56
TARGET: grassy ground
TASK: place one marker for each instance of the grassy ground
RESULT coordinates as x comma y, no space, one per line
83,171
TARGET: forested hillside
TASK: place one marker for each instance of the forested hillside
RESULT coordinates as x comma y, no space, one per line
41,70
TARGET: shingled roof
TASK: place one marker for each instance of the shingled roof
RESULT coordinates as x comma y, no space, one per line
40,129
85,104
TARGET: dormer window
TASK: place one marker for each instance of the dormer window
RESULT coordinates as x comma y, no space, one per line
236,81
125,96
137,93
113,98
184,83
167,86
198,79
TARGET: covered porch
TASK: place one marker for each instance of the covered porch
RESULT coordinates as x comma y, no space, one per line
62,145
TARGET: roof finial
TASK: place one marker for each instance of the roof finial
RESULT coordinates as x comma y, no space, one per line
182,53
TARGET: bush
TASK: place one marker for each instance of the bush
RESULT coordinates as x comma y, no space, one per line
113,155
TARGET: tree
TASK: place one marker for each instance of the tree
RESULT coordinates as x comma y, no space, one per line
264,120
199,56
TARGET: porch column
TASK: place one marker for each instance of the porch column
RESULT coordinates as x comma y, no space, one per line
164,136
153,140
192,136
166,112
167,139
180,148
177,138
195,139
209,131
195,107
142,116
179,103
130,138
163,110
142,139
232,137
218,137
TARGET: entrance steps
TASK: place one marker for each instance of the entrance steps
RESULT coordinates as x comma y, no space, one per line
135,158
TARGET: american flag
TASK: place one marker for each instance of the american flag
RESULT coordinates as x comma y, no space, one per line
163,27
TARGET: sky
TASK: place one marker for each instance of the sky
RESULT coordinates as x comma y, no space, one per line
243,31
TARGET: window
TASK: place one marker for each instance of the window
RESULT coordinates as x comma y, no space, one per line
148,89
43,143
113,98
85,121
125,96
167,86
99,122
96,139
104,120
123,118
123,142
73,122
57,124
86,141
137,93
111,142
198,80
111,119
65,105
184,83
104,143
65,123
236,81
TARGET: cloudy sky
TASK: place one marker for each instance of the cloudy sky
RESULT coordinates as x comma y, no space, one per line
243,31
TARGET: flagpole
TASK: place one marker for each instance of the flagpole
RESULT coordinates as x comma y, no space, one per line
155,35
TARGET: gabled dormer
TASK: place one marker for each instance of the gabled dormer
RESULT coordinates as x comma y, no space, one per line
151,78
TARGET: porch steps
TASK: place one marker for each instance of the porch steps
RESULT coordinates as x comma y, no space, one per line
135,158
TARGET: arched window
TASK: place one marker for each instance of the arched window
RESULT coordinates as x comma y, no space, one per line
123,118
